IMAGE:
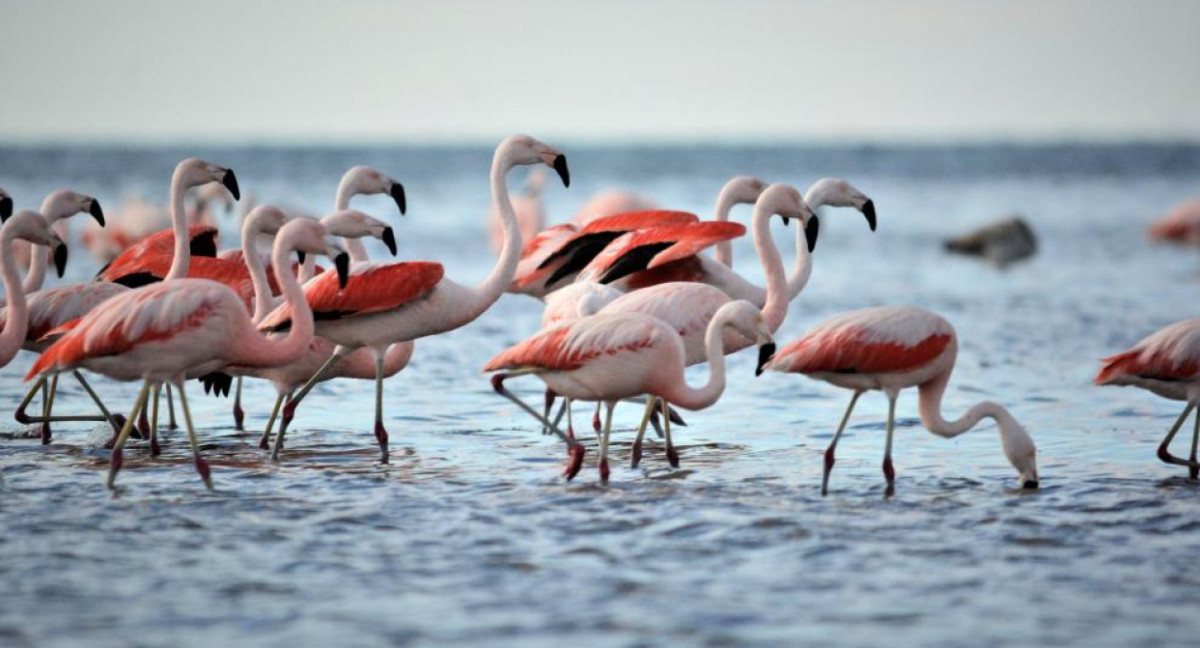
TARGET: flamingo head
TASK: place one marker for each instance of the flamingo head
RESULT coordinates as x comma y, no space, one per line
1020,450
6,205
785,201
368,181
523,149
745,318
194,172
351,223
33,227
309,237
64,203
264,219
743,190
836,192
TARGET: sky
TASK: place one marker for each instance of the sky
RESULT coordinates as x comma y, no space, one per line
376,71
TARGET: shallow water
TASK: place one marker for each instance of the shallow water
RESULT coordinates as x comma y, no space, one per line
469,536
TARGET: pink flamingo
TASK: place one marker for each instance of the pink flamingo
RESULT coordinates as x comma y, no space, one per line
1166,363
610,202
138,219
611,357
528,208
390,303
54,308
1180,225
356,181
166,331
58,206
891,348
26,226
689,306
359,364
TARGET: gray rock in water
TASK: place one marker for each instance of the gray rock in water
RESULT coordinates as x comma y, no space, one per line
1003,242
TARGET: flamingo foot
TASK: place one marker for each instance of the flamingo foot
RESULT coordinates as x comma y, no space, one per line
889,473
239,416
672,456
636,454
263,444
204,470
143,427
114,466
381,436
604,472
596,422
570,432
574,461
46,433
155,449
1193,470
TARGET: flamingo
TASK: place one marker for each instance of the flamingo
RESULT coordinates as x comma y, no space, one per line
890,348
528,208
57,206
689,306
359,364
1166,363
32,227
166,331
390,303
611,357
52,309
138,219
1180,225
610,202
356,181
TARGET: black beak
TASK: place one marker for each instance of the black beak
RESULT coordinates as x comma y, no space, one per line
230,182
560,166
60,258
342,262
389,239
300,255
96,212
398,195
811,231
6,207
786,221
1030,484
765,353
868,210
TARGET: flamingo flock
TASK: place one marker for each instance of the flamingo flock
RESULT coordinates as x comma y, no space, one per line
631,298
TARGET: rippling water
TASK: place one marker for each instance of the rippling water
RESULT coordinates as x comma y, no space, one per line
469,537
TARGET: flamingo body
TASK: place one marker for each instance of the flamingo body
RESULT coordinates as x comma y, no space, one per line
147,256
1166,363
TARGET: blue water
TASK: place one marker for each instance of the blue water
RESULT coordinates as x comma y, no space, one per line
469,537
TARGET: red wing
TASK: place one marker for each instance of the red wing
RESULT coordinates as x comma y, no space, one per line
657,246
545,350
372,288
629,221
1156,366
146,255
843,351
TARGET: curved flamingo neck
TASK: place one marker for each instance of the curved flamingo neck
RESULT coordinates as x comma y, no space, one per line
183,255
258,275
345,191
261,351
16,322
725,202
486,293
930,403
778,297
683,394
54,210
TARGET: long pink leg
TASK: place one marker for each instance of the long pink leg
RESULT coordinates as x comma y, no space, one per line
829,458
672,453
381,434
200,463
239,416
263,441
575,450
116,459
604,472
1164,453
1194,468
636,452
